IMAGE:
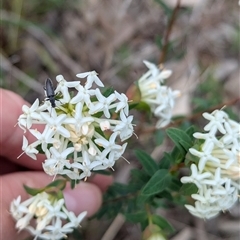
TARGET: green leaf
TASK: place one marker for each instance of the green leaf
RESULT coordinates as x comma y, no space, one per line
136,217
158,182
159,136
132,105
189,158
188,189
73,182
190,131
56,185
33,191
175,184
142,199
165,7
123,189
164,163
149,165
53,187
107,92
165,195
139,176
177,156
180,138
142,106
162,223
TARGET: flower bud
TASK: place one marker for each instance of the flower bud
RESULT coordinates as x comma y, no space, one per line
153,232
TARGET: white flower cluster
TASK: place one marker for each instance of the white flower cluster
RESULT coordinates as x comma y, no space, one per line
217,172
82,133
160,98
44,216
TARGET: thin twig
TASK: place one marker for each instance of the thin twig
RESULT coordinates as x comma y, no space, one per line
194,116
168,32
114,228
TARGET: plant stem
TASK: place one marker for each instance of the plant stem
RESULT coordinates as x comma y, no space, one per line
163,53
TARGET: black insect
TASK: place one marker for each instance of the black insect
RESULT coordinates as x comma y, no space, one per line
50,92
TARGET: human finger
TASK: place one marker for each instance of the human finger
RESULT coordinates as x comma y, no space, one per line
102,181
85,197
11,137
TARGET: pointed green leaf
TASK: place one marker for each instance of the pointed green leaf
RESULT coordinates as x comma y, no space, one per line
175,184
159,136
162,223
165,7
180,138
54,187
123,189
190,131
33,191
158,182
176,156
166,161
136,217
149,165
166,195
142,199
107,92
139,176
188,189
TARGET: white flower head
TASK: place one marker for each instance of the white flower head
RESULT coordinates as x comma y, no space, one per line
160,98
79,130
44,216
217,172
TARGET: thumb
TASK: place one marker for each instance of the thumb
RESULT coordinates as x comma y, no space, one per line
85,197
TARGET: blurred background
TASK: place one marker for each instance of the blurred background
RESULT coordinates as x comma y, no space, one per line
41,39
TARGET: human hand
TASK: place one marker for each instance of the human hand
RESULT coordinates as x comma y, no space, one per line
87,196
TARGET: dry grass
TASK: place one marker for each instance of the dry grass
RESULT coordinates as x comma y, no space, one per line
114,37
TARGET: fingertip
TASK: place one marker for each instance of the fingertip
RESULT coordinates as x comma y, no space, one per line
85,197
11,188
102,181
11,135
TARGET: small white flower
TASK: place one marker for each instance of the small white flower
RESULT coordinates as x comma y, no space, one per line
58,161
75,220
217,120
55,124
203,210
154,70
63,87
91,78
85,165
204,156
30,149
125,127
196,177
29,113
105,125
108,145
103,104
123,103
56,231
83,96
